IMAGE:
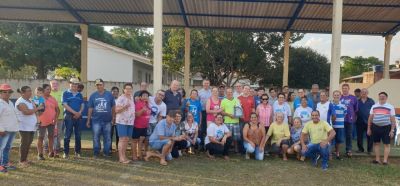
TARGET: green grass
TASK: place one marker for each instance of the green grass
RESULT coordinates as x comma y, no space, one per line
198,170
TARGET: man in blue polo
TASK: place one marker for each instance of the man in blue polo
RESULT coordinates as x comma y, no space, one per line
73,104
100,113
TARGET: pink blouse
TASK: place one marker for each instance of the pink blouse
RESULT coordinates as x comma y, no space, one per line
264,114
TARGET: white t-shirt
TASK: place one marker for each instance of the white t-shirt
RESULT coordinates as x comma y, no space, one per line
8,117
191,130
284,108
303,113
323,109
216,131
382,114
156,110
26,122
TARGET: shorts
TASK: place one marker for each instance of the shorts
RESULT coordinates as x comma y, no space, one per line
234,128
381,134
43,129
151,128
124,130
139,132
159,144
276,148
339,137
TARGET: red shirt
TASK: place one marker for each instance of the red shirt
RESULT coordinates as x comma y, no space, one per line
49,115
247,106
142,121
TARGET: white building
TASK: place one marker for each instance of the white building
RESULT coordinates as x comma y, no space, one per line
114,64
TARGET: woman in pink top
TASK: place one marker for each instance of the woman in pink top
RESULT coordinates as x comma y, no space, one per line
142,119
265,112
213,106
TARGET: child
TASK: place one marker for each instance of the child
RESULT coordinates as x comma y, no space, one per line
39,101
295,133
339,112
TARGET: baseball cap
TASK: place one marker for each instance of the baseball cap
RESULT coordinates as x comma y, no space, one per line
74,80
6,87
99,81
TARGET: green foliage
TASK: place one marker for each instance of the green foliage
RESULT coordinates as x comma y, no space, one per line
136,40
24,72
66,72
357,65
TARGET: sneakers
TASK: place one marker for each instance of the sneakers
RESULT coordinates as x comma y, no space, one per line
65,156
247,156
51,155
40,157
77,155
10,166
3,169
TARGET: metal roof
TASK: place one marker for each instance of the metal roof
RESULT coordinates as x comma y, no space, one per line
364,17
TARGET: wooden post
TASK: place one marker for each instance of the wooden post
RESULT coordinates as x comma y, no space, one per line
388,42
187,60
157,50
336,46
285,80
84,58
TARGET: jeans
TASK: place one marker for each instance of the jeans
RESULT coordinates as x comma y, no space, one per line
361,133
348,129
26,141
259,155
114,128
315,149
72,125
101,128
5,147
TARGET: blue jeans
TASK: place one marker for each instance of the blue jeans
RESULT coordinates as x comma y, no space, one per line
5,147
72,125
101,128
348,129
259,155
314,149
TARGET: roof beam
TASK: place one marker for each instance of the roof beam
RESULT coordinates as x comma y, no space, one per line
68,7
183,13
314,2
393,30
295,15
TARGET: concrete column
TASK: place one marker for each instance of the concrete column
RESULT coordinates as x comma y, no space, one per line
336,46
84,58
157,50
187,60
285,80
386,62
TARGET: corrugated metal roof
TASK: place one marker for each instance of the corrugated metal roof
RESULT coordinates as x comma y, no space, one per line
373,17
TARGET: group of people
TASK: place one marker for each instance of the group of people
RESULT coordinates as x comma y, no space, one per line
218,120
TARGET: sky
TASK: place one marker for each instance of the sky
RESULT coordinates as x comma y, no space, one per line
352,45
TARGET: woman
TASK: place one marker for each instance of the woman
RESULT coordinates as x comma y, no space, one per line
290,101
193,105
213,106
281,106
295,133
26,115
125,116
265,112
8,127
191,131
181,142
254,138
218,138
279,131
142,118
303,112
48,120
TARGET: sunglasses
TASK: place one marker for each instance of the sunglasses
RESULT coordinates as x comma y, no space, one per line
265,99
7,91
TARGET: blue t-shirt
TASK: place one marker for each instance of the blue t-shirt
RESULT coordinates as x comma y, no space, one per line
340,110
102,106
39,101
73,100
297,103
194,108
295,134
162,129
257,101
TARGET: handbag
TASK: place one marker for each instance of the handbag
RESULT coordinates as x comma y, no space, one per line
237,110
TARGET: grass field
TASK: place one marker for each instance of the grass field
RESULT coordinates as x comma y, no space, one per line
198,170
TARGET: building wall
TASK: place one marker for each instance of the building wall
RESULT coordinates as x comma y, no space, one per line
108,65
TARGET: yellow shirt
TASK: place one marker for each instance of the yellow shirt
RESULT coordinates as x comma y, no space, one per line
58,96
278,131
317,131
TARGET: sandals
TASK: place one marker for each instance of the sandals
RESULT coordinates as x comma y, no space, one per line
376,162
125,162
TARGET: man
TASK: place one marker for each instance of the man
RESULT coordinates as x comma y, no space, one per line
314,96
297,100
351,103
204,96
325,108
248,106
115,93
221,92
143,87
364,107
272,96
73,104
101,113
257,98
238,90
357,93
59,129
381,125
320,134
162,139
158,110
228,105
339,113
173,99
285,91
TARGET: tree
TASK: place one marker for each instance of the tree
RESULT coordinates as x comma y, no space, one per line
133,39
66,72
357,65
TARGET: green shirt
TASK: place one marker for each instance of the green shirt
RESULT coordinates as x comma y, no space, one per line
228,106
58,96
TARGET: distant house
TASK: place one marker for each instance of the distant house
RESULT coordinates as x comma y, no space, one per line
119,65
372,76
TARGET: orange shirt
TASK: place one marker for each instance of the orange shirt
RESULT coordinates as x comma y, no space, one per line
49,114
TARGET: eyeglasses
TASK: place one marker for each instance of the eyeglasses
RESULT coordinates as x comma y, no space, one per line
219,117
7,92
265,99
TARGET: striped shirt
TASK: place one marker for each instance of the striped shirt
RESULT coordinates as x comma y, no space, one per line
340,110
382,114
